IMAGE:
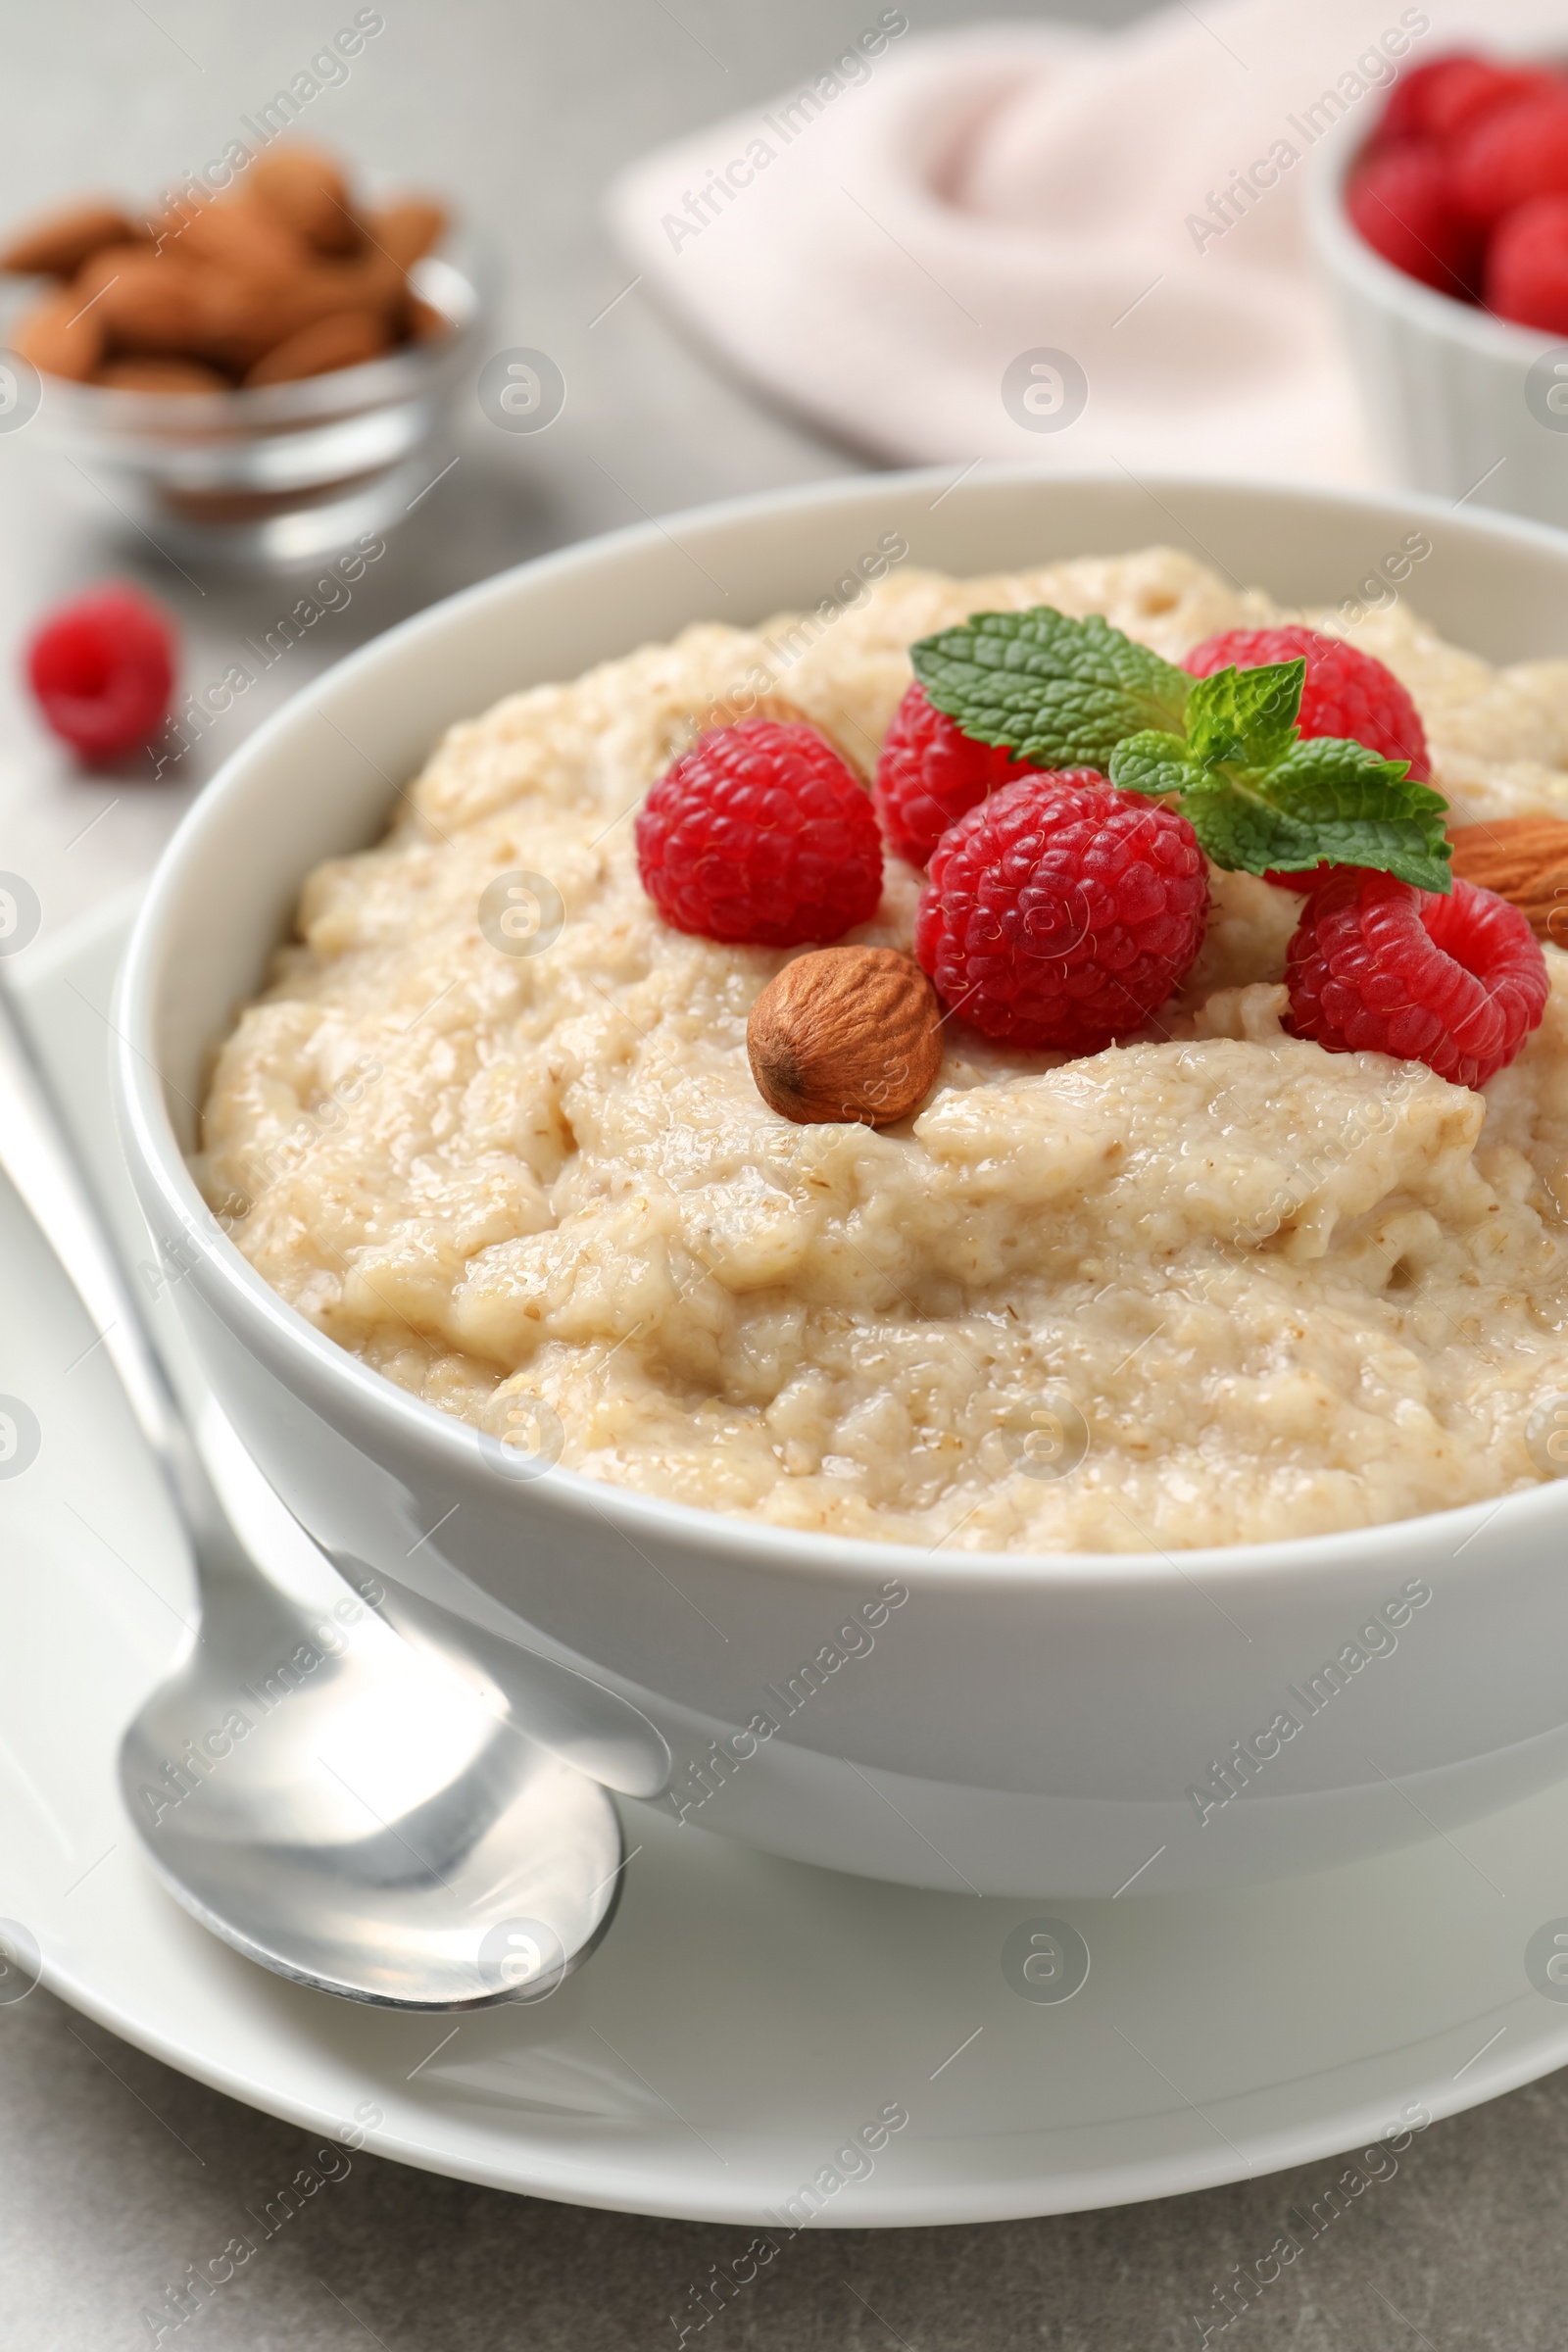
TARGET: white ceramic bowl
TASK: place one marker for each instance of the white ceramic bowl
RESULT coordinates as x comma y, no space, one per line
1017,1724
1460,402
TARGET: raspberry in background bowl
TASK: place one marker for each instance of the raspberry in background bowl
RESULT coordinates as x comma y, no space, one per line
1460,402
1463,185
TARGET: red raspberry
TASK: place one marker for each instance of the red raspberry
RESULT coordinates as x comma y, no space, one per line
1448,93
1401,200
1527,266
1347,693
1377,966
1061,914
929,774
1515,151
761,833
103,669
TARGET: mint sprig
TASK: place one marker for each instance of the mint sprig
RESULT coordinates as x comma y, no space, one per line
1063,692
1228,749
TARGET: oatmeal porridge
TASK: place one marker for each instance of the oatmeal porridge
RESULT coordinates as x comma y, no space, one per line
1257,1289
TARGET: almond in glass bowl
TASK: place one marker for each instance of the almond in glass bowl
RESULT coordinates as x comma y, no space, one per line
259,377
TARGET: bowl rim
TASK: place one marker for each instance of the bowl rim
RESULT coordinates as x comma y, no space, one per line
245,1303
1349,257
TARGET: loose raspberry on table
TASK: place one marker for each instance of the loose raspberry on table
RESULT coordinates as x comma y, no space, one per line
1527,266
1347,693
1377,966
1514,152
760,834
929,774
102,669
1062,913
1448,93
1401,200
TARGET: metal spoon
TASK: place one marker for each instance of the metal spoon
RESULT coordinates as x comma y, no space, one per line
327,1799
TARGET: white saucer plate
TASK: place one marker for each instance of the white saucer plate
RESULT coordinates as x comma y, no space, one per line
738,2048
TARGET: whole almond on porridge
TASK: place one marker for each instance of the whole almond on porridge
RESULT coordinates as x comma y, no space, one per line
1525,860
849,1034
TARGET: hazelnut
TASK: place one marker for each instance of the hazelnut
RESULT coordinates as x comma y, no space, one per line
846,1034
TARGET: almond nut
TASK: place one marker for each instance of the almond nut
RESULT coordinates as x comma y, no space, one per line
427,325
243,320
306,189
1525,860
407,230
145,302
60,337
57,245
161,375
246,238
846,1034
278,281
346,341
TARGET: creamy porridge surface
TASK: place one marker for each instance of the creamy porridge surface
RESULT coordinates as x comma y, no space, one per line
1287,1291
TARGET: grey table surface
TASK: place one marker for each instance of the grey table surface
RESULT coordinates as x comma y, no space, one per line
116,2172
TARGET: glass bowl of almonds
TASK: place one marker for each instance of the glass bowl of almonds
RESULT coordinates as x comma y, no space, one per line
253,375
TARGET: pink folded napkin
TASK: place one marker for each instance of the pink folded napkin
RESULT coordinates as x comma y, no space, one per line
1020,241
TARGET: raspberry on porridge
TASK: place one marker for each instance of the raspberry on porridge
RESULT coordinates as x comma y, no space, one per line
1290,1286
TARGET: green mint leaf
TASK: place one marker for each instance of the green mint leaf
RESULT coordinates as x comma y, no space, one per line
1069,692
1245,718
1061,692
1153,763
1244,834
1327,801
1364,811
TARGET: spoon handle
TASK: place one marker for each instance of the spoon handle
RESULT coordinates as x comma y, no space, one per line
39,1159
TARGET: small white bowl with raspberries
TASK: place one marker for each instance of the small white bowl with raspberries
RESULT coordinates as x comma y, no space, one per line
1444,237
